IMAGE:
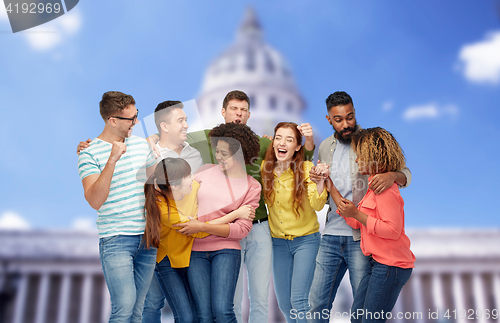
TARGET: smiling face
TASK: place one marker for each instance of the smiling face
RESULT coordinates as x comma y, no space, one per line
176,127
285,144
184,187
343,120
237,111
124,127
224,156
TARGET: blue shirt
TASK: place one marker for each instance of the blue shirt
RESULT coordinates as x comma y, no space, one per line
340,173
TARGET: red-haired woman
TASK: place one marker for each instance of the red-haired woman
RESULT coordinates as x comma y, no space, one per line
292,199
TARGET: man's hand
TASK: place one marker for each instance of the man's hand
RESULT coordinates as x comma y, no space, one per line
307,131
152,140
118,149
82,145
381,182
246,212
268,137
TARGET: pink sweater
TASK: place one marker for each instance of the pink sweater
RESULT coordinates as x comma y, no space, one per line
219,195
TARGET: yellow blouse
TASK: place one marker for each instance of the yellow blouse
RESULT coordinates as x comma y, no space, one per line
173,244
283,221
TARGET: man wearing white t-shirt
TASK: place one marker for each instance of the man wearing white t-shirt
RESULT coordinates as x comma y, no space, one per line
171,121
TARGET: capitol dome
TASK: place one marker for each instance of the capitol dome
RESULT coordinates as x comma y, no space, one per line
252,66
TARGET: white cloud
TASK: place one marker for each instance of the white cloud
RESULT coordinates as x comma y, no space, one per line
430,111
480,61
12,221
84,224
70,22
387,106
3,14
47,36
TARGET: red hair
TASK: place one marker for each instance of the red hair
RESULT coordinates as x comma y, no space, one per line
297,166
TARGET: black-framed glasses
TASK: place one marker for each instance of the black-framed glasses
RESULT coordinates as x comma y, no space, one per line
133,119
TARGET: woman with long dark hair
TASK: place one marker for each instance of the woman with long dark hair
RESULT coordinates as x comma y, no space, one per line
171,198
292,199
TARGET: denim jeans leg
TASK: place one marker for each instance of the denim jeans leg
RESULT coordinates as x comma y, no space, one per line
258,261
304,250
379,291
154,302
224,276
127,269
282,275
357,263
144,265
330,269
174,284
257,255
199,273
238,293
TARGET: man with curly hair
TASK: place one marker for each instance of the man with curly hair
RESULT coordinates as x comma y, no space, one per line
340,244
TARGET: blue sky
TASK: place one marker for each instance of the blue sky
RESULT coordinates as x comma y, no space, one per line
427,71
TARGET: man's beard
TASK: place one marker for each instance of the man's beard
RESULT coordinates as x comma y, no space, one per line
338,134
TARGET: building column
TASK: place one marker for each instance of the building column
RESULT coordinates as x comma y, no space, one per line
20,299
479,296
416,286
43,295
437,292
458,296
62,309
496,293
86,295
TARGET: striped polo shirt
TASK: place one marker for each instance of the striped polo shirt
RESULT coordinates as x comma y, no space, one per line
122,212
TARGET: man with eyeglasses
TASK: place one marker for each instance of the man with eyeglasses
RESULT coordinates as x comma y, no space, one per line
113,172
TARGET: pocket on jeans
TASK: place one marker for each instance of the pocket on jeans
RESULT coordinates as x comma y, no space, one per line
402,276
105,240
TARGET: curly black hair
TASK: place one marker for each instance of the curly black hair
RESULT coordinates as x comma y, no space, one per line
237,135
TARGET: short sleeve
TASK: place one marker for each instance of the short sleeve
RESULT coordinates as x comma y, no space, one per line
87,165
151,160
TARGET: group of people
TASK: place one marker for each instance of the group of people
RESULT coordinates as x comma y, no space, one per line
181,215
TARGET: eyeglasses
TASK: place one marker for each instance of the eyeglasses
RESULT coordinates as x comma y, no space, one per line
133,119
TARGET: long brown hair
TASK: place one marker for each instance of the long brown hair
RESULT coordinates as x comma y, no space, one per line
297,166
168,172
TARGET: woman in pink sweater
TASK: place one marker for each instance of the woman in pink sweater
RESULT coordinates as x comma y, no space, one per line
215,260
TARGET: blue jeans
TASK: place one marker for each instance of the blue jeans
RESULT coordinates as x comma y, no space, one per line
127,267
212,278
293,272
378,292
154,302
257,254
175,287
336,254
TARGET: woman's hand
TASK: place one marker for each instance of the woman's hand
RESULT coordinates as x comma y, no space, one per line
319,172
347,208
191,227
245,212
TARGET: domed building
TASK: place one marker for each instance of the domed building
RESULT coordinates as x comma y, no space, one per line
252,66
